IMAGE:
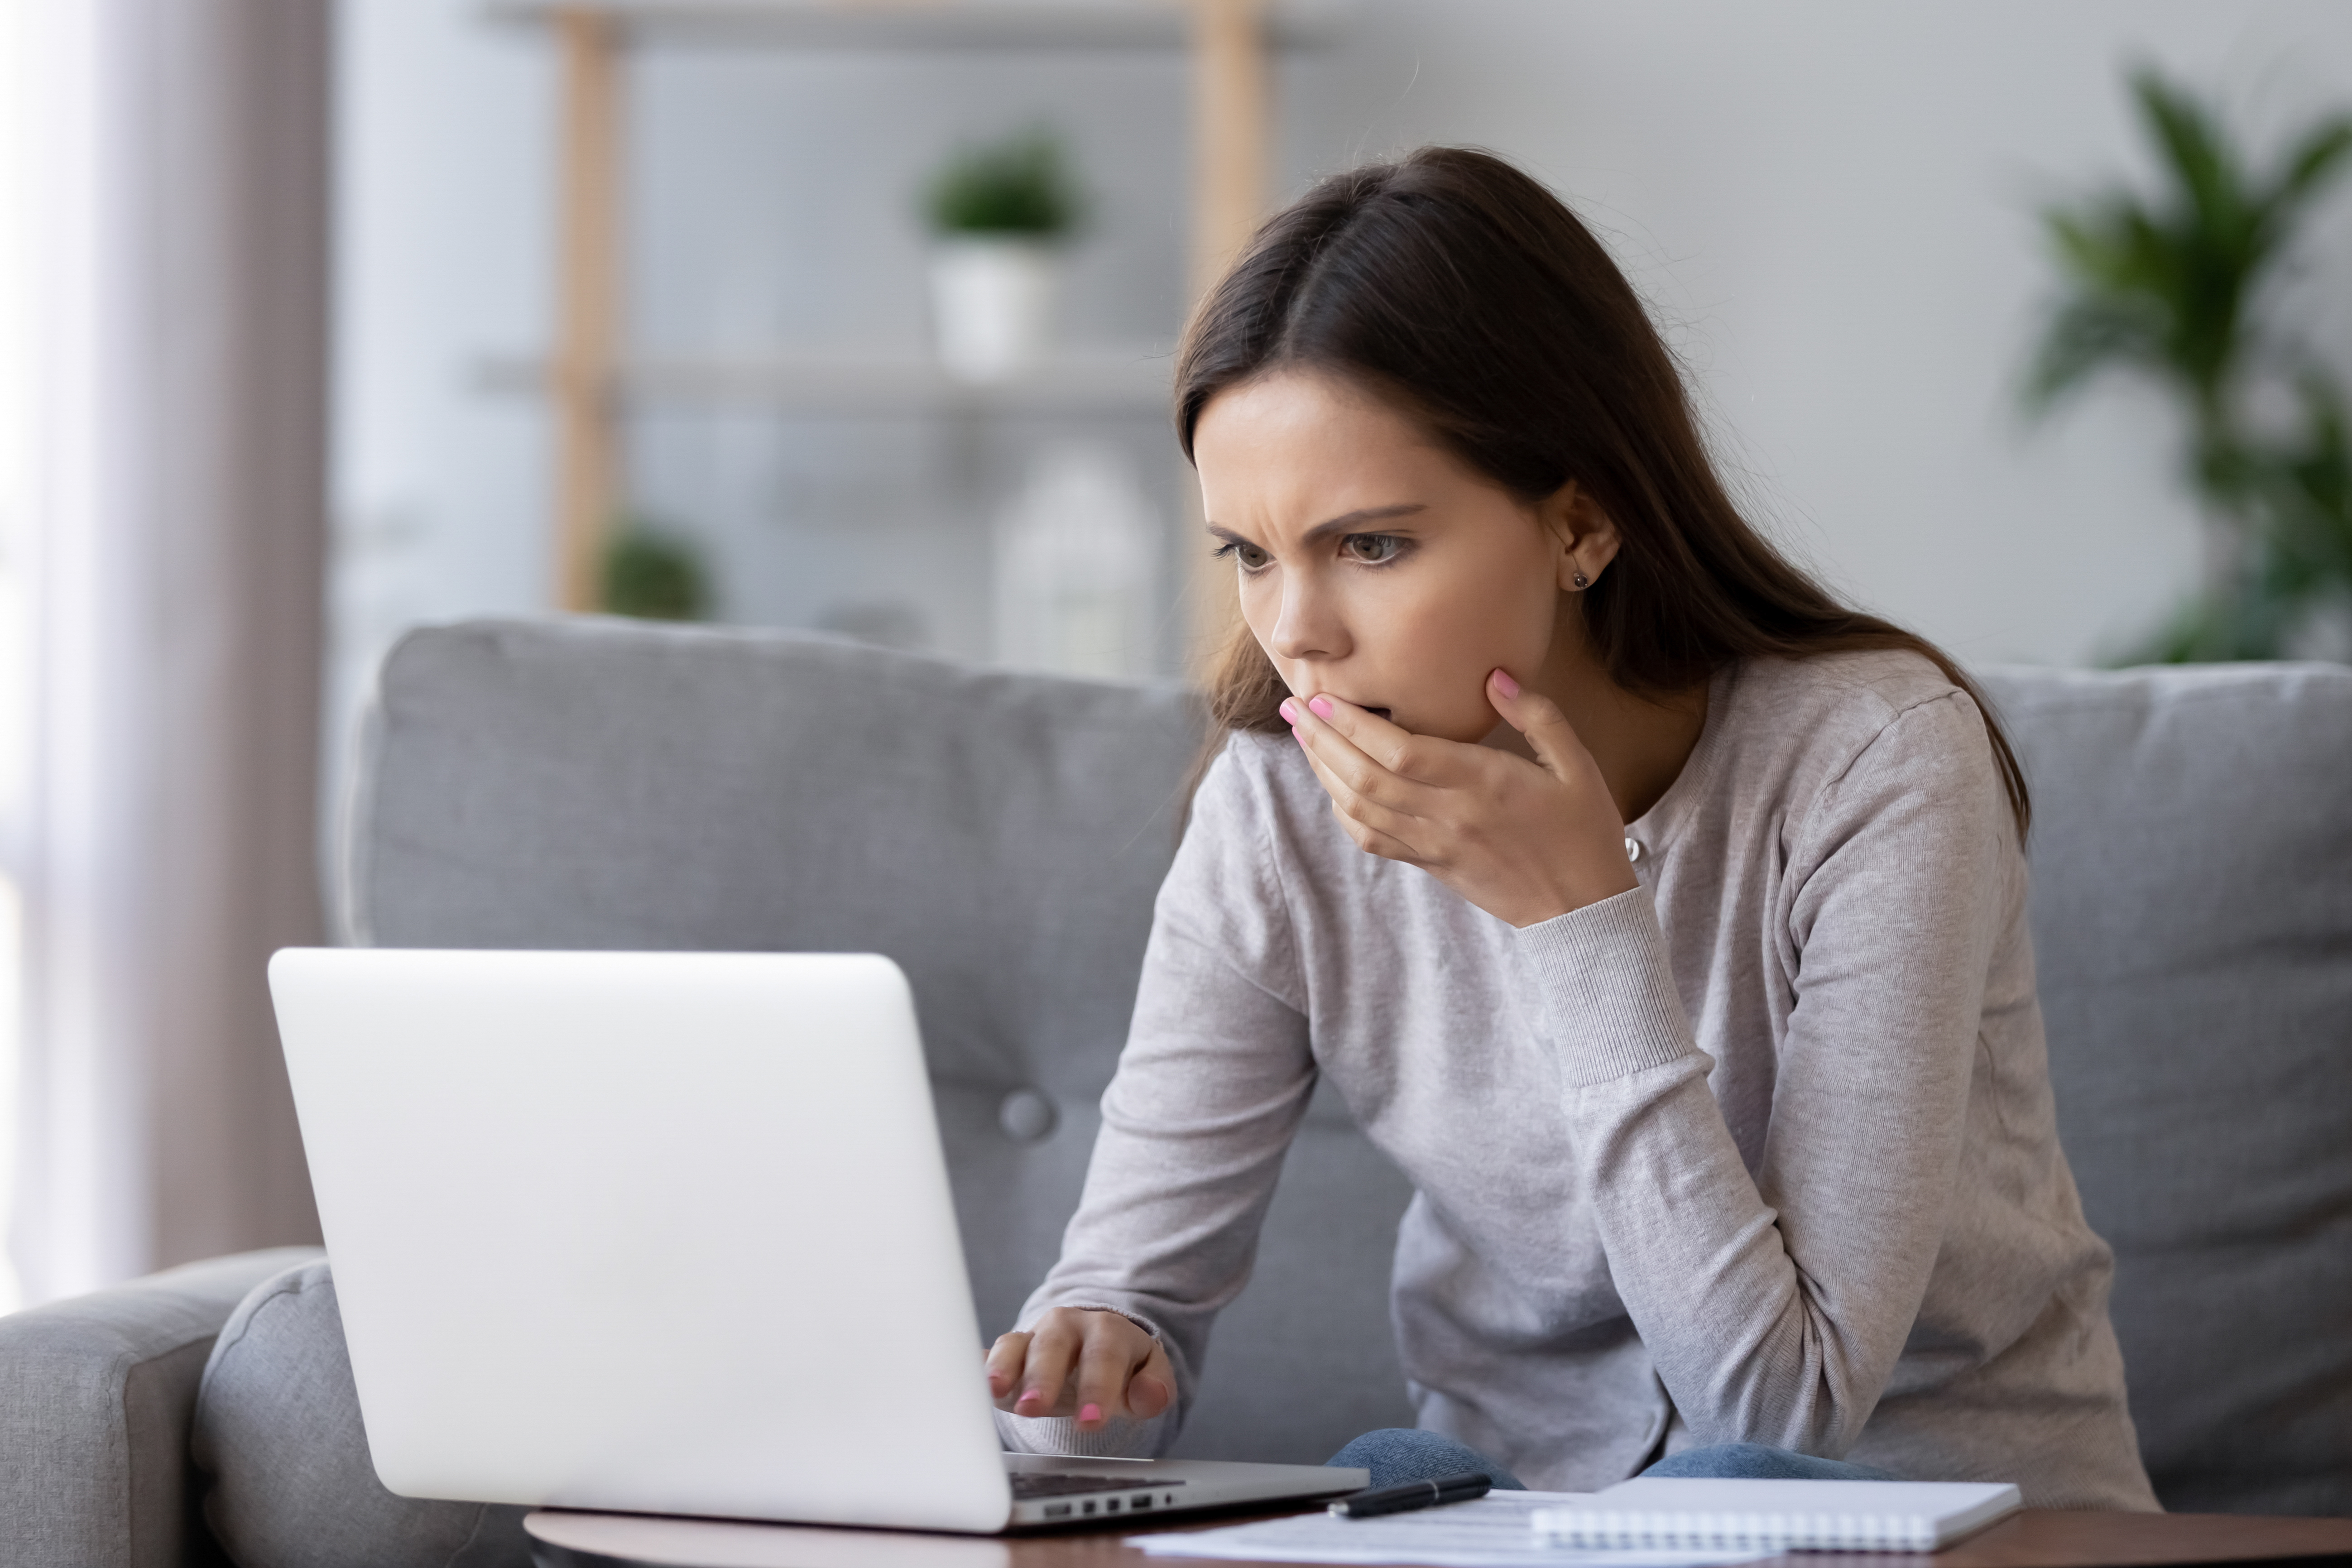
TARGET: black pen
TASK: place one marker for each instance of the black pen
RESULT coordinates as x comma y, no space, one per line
1413,1495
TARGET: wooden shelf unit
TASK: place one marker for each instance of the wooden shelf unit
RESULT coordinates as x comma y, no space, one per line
856,386
588,375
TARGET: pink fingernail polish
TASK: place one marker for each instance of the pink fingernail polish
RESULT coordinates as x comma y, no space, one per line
1319,706
1028,1398
1504,684
1288,716
1090,1412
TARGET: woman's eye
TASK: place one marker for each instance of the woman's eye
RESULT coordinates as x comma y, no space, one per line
1372,548
1249,555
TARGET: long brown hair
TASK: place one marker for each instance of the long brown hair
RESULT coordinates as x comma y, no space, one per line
1468,295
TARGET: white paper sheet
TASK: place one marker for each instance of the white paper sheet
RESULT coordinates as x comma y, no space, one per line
1495,1531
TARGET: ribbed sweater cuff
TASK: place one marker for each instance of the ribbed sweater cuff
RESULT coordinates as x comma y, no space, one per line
1608,992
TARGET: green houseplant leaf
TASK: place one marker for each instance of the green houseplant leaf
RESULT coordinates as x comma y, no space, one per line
654,575
1019,187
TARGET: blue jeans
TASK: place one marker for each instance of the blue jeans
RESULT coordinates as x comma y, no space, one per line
1398,1454
1757,1462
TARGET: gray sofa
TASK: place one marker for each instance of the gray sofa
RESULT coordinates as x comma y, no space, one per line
603,784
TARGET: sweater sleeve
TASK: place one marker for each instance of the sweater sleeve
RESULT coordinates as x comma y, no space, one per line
1212,1083
1775,1306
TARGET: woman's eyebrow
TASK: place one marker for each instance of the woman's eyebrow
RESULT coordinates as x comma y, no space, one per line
1346,522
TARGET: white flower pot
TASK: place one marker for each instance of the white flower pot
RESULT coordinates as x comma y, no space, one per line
993,304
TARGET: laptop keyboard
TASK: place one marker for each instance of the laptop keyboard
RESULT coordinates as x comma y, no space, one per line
1027,1487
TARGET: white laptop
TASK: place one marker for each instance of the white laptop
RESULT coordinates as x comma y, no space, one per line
669,1234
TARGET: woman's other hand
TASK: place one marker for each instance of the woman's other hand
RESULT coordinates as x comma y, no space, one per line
1088,1364
1526,841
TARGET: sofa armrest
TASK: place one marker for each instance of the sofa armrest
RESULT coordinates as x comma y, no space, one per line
96,1398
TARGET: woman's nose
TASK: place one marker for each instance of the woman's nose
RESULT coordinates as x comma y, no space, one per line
1307,625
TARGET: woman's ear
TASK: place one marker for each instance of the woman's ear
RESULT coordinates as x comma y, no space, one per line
1585,538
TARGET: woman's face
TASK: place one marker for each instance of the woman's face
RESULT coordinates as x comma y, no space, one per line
1374,566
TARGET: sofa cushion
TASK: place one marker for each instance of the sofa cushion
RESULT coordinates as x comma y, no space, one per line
277,1436
96,1394
2192,921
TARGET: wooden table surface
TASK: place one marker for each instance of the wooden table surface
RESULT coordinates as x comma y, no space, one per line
2036,1538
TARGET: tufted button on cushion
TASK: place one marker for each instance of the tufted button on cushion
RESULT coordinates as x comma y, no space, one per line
1027,1116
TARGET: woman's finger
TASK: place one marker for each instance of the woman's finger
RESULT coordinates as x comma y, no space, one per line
1337,757
1005,1360
1363,774
1375,829
1153,1389
1554,739
1372,841
1355,806
1115,1350
1046,1378
1415,759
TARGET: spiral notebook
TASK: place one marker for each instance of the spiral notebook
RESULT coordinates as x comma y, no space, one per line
1491,1533
1800,1515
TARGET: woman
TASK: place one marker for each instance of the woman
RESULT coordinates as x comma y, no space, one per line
1661,917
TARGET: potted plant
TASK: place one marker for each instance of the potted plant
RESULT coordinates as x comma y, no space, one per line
999,215
653,574
2172,287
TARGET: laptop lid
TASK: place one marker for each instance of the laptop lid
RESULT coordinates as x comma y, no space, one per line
661,1232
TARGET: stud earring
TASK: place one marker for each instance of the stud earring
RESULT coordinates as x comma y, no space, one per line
1582,581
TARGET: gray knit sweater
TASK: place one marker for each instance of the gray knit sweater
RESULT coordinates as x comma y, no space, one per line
1762,1151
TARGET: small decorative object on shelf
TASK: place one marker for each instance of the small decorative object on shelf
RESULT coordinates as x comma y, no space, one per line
1077,550
1000,214
653,574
